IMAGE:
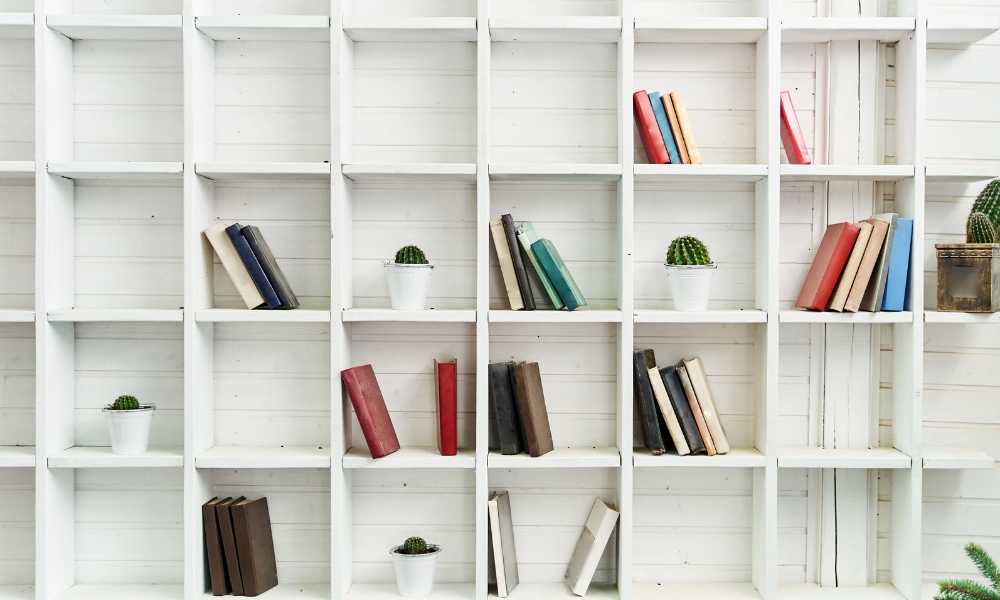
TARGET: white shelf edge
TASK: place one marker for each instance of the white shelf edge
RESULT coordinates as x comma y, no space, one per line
794,457
13,315
580,457
17,169
117,27
300,28
411,29
959,174
933,316
846,172
263,457
409,458
117,170
294,591
103,315
100,457
408,171
710,316
389,591
702,591
387,315
809,316
825,29
700,30
945,30
555,316
237,315
17,456
555,29
693,173
943,457
18,26
123,591
554,172
735,458
263,171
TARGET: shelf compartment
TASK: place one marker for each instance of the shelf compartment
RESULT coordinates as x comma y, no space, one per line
555,29
270,28
960,31
555,172
809,316
700,30
552,590
825,458
359,457
295,591
410,172
933,316
560,458
123,591
826,29
698,173
735,458
100,457
17,169
17,25
17,456
960,174
411,29
812,591
943,457
117,27
362,315
846,172
263,457
709,316
17,316
555,316
695,591
101,315
236,315
264,171
389,591
131,171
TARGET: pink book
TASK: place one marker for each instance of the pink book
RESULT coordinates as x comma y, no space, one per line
791,133
362,386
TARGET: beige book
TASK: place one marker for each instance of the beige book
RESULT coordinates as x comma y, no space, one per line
231,260
682,117
502,538
699,381
843,289
506,265
667,410
595,536
699,416
675,128
868,262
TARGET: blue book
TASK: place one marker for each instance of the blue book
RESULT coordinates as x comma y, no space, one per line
556,269
253,266
894,299
661,119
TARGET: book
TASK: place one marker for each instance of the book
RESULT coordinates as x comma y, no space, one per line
506,265
894,297
213,548
502,543
446,390
846,281
645,405
649,131
872,301
222,511
561,278
534,415
252,528
502,398
677,98
596,533
667,410
838,241
696,410
526,236
872,249
522,435
675,128
682,408
369,406
792,139
651,364
527,298
231,261
270,266
664,125
253,266
699,381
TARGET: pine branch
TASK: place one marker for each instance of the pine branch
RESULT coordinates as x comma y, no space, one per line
965,590
984,563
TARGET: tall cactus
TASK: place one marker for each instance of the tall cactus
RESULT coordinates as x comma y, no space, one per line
983,226
688,250
125,402
410,255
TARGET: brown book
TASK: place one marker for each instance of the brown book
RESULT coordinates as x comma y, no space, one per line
699,415
675,128
252,528
843,289
867,267
532,403
213,548
222,510
682,118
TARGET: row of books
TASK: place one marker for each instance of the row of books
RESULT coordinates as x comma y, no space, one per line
251,266
676,408
519,408
519,246
665,128
503,556
862,266
239,546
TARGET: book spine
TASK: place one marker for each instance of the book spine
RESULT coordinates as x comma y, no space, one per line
503,408
696,410
559,274
649,131
699,381
524,238
230,259
685,122
675,128
827,265
527,297
213,548
899,266
379,443
872,301
868,261
271,269
522,433
446,379
667,410
839,298
244,545
250,261
536,416
664,125
225,517
792,139
679,401
652,437
506,262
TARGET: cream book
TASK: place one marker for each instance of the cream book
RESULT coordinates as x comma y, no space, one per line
502,543
699,381
231,260
868,262
682,117
667,410
843,289
506,265
593,540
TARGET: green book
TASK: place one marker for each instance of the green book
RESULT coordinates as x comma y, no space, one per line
555,268
526,236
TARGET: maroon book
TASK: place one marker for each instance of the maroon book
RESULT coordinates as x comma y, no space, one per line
649,130
446,381
838,241
369,405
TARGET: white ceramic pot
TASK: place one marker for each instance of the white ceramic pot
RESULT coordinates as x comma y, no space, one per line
690,286
129,429
408,285
415,572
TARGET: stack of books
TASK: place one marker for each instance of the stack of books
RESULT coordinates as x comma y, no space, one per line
665,129
519,408
250,264
239,546
517,247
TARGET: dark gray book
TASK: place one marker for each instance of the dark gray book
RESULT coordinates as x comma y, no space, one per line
519,271
679,400
270,266
502,398
229,544
522,435
645,404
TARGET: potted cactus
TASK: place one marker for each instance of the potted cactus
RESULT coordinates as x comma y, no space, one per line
690,270
969,274
409,277
414,562
129,423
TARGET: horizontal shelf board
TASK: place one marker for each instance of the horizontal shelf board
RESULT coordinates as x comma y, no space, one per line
263,457
389,591
546,591
17,456
100,457
812,591
359,457
846,172
263,171
700,30
811,316
294,591
17,316
603,456
265,28
356,315
736,457
17,169
698,173
17,592
118,170
708,316
960,30
959,174
411,29
942,457
106,315
237,315
123,591
555,172
555,29
695,591
555,316
825,29
17,25
117,27
410,171
826,458
933,316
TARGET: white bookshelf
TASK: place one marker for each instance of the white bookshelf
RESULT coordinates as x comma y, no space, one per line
345,129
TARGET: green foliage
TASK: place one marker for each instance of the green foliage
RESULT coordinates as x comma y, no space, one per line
983,226
964,589
414,545
410,255
688,250
125,403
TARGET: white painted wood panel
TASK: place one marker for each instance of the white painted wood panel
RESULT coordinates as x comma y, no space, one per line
696,8
17,249
17,533
411,8
554,8
126,7
17,99
269,7
17,394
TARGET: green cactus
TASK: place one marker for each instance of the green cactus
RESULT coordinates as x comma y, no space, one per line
688,250
983,226
410,255
125,403
414,545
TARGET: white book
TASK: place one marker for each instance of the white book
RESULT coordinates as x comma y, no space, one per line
506,265
231,260
502,538
667,410
593,540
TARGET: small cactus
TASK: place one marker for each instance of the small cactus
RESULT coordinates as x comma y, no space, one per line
688,250
983,226
414,545
125,402
410,255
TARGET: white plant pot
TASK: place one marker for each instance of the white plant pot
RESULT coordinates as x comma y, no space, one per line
690,286
415,572
129,429
408,285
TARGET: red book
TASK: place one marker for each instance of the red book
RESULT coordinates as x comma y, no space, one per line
838,241
791,134
370,408
445,383
649,130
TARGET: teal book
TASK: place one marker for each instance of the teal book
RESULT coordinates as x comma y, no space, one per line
661,120
526,236
555,268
